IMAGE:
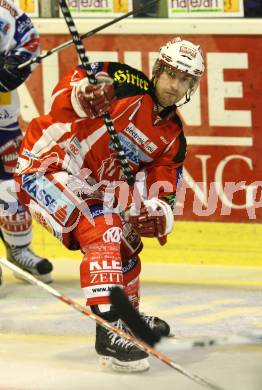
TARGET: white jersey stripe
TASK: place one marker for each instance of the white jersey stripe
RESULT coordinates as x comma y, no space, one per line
50,138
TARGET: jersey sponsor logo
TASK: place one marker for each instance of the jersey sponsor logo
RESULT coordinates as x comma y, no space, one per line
101,290
113,234
48,196
109,277
61,213
74,146
132,152
129,265
124,76
140,138
104,265
106,272
96,211
188,51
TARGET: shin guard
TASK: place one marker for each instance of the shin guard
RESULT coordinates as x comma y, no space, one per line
100,270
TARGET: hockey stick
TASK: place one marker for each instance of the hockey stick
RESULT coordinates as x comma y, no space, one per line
92,80
205,342
137,325
86,35
140,344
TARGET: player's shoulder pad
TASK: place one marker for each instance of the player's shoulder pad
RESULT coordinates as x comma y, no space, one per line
181,153
128,81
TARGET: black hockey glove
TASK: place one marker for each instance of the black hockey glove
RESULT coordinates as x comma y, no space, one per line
10,76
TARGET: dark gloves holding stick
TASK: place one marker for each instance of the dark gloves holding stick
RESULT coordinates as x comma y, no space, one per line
10,76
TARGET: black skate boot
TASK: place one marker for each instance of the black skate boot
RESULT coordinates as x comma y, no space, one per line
116,352
25,258
158,325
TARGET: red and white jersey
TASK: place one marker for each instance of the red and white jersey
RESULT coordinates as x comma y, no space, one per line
61,141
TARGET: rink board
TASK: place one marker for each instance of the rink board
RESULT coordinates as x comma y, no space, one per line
221,254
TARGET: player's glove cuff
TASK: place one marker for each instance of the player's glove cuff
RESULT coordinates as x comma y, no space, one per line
154,219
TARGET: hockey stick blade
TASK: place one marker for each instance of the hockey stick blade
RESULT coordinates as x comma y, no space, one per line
141,330
132,318
210,342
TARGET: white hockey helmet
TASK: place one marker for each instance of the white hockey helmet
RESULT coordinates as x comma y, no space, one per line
183,56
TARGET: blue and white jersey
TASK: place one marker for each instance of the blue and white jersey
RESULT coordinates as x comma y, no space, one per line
18,36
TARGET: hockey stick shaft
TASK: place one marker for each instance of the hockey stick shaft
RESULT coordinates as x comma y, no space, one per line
84,36
143,346
92,79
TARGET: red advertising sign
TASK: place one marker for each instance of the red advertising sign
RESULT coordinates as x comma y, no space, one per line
223,122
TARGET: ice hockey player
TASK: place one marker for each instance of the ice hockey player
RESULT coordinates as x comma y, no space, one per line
19,42
68,170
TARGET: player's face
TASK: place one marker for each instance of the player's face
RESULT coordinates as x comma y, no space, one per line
171,86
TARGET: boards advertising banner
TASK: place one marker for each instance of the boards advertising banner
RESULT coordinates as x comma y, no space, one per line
205,8
98,8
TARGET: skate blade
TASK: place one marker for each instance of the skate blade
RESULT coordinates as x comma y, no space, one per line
107,362
47,278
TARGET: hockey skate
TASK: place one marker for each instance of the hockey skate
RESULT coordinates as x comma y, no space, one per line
158,325
117,353
26,259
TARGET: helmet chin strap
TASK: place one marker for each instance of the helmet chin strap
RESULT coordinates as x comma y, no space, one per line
188,97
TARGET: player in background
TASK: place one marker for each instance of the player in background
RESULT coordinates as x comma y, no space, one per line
19,41
71,179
